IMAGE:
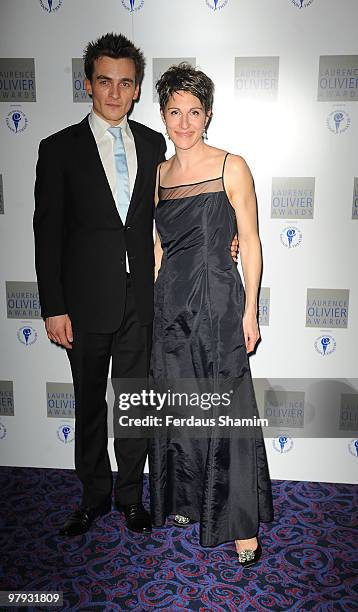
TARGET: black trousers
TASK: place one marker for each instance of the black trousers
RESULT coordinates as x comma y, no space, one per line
130,348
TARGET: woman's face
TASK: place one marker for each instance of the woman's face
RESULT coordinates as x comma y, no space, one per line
185,119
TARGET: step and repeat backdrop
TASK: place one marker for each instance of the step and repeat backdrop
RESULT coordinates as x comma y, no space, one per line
286,77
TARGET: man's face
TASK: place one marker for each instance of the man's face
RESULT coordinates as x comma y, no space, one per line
113,88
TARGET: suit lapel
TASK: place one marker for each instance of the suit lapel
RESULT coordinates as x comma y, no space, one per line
141,149
88,152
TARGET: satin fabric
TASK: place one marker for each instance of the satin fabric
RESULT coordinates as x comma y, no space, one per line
199,299
120,160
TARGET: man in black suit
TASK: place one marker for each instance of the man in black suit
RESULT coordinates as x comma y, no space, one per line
95,267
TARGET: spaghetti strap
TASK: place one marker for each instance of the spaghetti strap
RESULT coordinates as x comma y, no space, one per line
222,177
225,158
158,187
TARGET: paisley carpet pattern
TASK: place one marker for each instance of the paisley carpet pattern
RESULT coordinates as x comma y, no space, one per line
310,558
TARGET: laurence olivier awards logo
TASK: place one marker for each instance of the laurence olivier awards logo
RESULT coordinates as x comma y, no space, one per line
282,444
27,335
338,121
284,409
17,80
264,306
291,237
325,345
6,398
292,197
355,199
327,308
51,6
66,433
348,418
161,64
3,431
133,5
17,121
22,300
1,196
216,5
78,81
301,4
353,448
338,78
60,400
256,78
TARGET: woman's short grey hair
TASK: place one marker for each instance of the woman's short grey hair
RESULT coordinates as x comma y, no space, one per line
185,77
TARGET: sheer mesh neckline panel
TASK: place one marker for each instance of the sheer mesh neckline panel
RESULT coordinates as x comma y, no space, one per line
187,191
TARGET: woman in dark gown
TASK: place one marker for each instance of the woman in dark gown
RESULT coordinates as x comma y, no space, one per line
205,324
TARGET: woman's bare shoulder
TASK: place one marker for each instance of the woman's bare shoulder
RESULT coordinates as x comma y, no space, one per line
238,177
164,167
236,163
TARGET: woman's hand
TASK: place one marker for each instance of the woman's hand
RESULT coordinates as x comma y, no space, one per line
251,330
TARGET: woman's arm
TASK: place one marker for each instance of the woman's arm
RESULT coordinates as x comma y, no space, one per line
240,189
158,251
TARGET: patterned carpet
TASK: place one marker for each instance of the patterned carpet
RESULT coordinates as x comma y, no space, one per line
310,559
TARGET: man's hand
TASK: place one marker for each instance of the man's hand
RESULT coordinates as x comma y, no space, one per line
234,248
251,330
59,330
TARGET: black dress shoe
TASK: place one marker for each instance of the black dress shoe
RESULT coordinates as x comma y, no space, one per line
249,557
81,520
137,518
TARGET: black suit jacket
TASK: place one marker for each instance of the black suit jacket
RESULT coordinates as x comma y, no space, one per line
80,240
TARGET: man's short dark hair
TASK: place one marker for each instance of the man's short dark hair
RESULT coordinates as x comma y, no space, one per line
185,77
116,46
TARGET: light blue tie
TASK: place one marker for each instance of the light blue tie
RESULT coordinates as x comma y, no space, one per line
123,196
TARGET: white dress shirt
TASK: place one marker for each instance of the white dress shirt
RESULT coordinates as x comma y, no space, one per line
105,145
